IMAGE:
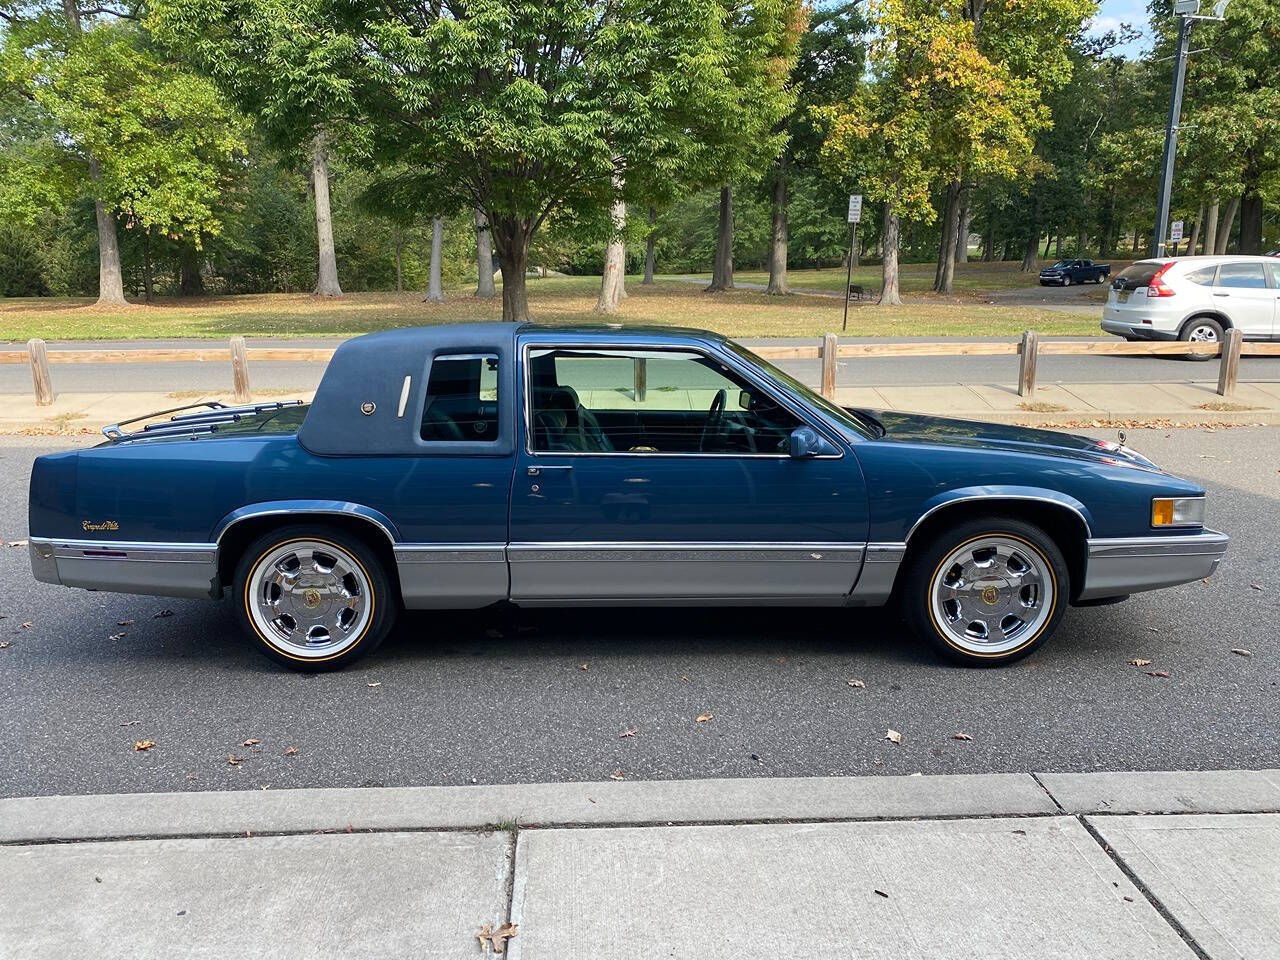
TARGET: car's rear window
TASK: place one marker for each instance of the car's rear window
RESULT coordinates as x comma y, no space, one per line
1242,275
1137,275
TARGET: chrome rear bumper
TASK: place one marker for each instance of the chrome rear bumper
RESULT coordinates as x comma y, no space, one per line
1122,565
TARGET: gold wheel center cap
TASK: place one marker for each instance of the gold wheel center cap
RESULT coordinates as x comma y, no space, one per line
311,598
990,596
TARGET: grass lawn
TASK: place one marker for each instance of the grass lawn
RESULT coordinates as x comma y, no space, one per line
555,300
973,278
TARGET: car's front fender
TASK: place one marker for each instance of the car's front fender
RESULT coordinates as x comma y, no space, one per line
1002,492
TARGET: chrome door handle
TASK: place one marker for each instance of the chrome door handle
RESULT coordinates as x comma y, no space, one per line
537,471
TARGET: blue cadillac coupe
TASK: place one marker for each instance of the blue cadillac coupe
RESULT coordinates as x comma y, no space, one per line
461,466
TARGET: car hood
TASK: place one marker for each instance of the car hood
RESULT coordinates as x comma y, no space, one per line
942,431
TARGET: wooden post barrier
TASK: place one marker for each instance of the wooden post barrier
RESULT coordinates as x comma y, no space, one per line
42,382
1029,351
240,371
1229,365
830,348
640,377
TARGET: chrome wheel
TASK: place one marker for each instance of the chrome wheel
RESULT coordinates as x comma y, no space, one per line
1203,333
992,594
309,598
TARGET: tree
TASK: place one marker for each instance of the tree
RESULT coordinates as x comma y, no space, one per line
106,116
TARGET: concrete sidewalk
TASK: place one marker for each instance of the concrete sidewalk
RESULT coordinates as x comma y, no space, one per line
1108,865
1053,404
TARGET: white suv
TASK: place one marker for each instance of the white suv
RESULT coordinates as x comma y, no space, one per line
1195,298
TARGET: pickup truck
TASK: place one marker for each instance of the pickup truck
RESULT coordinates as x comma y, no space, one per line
1066,272
463,466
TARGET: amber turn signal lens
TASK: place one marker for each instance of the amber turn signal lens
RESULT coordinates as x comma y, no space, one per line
1161,513
1177,512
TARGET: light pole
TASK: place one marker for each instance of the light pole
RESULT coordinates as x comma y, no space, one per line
1186,11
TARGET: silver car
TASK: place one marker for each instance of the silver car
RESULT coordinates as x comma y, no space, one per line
1195,298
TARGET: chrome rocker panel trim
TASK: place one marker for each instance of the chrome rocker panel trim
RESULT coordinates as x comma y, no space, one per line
458,576
879,572
119,566
1123,565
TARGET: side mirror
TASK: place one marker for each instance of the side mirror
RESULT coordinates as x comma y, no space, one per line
805,442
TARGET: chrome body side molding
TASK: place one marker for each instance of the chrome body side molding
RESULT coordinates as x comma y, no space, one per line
620,572
158,569
284,508
998,493
451,575
879,572
1121,565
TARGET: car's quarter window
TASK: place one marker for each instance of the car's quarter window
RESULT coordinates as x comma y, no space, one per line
604,400
1242,275
462,399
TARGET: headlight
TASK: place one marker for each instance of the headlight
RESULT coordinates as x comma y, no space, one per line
1177,512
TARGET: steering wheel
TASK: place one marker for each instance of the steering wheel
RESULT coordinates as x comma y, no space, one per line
711,427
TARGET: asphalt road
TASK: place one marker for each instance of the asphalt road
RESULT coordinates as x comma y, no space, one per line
508,696
870,371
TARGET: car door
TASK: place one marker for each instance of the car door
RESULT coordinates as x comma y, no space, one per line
630,486
1243,293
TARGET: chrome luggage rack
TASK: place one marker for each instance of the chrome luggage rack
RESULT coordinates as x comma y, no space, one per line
206,418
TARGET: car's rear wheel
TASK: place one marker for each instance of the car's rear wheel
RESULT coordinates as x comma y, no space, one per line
988,591
1201,330
313,597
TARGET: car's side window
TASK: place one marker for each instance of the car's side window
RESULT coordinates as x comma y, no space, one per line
462,399
1241,275
586,400
1275,274
1204,276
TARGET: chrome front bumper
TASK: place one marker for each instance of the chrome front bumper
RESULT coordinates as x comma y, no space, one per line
1123,565
160,569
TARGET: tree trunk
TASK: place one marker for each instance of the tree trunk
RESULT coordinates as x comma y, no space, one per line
962,234
1082,241
1047,242
399,260
889,295
1195,231
435,289
650,242
148,269
722,270
484,259
1211,226
778,246
989,238
1029,264
1105,242
1251,222
945,271
1137,242
110,276
327,280
1226,226
511,237
191,284
615,262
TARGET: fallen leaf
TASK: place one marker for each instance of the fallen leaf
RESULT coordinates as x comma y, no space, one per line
1154,629
1255,586
1138,662
500,937
628,732
25,625
1158,673
881,893
141,745
617,775
5,644
234,760
251,742
1241,651
162,614
703,717
130,723
683,678
117,636
486,931
124,623
860,684
584,666
376,683
893,736
17,543
290,751
961,736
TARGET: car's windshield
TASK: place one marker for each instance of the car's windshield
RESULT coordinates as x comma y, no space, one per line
867,427
1064,263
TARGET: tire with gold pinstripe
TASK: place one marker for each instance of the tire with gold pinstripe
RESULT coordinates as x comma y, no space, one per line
313,597
987,591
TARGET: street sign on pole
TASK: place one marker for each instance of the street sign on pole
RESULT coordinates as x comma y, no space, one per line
1175,231
855,215
855,207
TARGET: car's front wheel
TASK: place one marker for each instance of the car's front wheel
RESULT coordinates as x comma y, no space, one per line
988,591
1066,281
313,598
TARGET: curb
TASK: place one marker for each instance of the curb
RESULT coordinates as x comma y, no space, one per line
638,803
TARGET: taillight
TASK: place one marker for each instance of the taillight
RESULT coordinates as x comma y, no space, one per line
1158,288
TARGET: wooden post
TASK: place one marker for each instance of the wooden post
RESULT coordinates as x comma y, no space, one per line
240,371
830,345
640,374
1229,367
40,379
1029,351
